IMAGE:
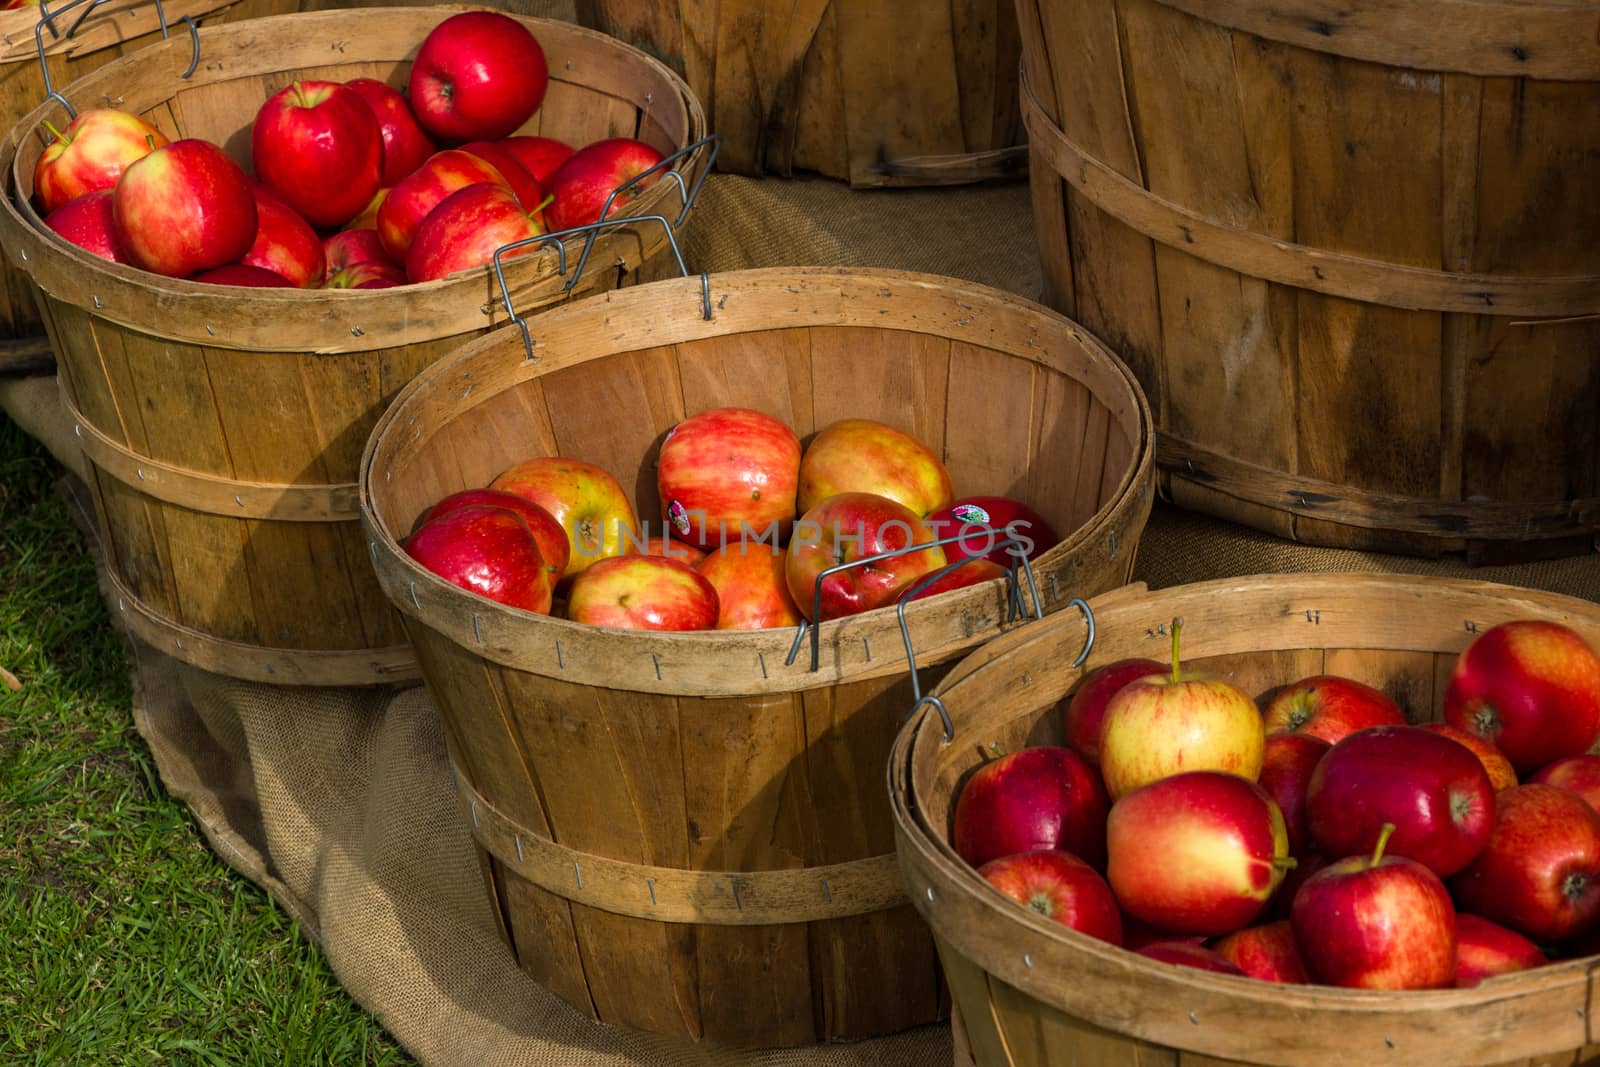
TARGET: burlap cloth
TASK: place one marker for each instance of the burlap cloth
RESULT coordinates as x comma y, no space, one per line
339,801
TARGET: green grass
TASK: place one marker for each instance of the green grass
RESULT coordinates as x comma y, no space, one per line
123,938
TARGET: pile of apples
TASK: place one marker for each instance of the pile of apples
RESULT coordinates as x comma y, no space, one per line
352,189
1320,838
751,521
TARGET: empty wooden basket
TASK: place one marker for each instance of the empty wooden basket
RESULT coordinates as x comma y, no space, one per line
225,424
1353,255
1031,992
814,86
685,832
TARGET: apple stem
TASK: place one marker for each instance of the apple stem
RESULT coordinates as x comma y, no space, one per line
1285,863
999,750
1383,842
150,139
1177,625
549,199
53,131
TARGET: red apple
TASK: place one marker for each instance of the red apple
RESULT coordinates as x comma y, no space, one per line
1575,774
1166,723
405,145
1286,765
244,274
1433,791
1189,954
587,501
972,572
985,525
581,185
184,208
1059,886
1540,874
541,155
478,75
90,154
530,194
285,243
1196,853
642,593
1305,866
751,592
728,475
465,229
86,221
356,260
851,527
489,551
671,547
1087,707
1531,688
862,456
1378,922
1485,949
1330,707
419,192
1267,952
1501,774
317,145
1034,798
547,532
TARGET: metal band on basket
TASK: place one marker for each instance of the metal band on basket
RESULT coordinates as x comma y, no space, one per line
678,895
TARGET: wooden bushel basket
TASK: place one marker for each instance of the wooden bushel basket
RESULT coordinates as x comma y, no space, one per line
686,832
225,424
1352,254
80,37
818,85
1031,992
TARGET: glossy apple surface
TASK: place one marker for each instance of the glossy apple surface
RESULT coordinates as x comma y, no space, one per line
285,243
1485,949
244,274
1087,705
1189,954
86,222
489,551
1199,852
582,183
1434,791
863,456
463,231
1330,707
1035,798
317,145
1376,922
418,193
1575,774
183,209
846,529
751,591
90,155
1287,762
1531,688
405,144
585,499
972,572
356,259
1540,873
529,193
671,547
547,532
1267,952
642,593
1058,886
991,526
728,475
1501,774
478,75
541,155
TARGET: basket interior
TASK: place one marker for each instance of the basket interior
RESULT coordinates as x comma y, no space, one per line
1003,424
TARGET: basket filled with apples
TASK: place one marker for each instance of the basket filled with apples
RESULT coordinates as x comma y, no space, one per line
662,560
227,341
1349,819
74,39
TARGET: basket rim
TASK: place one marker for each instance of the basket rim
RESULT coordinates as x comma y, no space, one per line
423,596
934,871
533,278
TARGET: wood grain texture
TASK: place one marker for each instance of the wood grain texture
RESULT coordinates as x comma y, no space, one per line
712,814
225,428
1353,331
1029,991
809,86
